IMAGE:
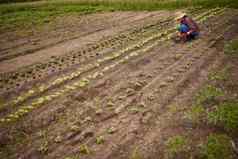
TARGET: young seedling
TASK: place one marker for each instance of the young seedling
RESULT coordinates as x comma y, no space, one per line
75,128
111,130
99,111
110,104
83,149
100,140
58,139
45,144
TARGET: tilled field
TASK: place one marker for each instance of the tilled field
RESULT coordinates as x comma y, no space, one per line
104,88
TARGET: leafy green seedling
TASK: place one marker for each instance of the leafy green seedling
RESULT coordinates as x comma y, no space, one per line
110,104
58,139
111,130
100,140
83,149
44,147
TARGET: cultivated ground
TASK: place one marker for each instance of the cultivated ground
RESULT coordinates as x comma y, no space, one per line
109,85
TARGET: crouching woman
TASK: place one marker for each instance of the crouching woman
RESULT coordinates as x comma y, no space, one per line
188,28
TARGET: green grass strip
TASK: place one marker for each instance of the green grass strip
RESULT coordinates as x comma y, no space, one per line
32,13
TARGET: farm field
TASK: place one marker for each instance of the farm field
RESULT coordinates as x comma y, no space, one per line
114,85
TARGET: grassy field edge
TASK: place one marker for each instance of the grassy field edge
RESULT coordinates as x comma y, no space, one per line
34,13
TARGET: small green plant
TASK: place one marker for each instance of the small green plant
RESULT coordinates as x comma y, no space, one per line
45,143
44,147
110,103
208,93
83,149
111,130
100,140
196,114
226,115
221,75
217,147
231,48
176,145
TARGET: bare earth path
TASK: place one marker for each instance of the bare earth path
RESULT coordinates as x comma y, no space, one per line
105,85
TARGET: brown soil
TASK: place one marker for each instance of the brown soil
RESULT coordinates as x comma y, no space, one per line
130,103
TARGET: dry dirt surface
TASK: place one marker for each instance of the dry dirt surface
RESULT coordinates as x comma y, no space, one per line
103,85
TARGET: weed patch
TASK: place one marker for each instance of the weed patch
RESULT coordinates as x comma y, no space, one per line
231,48
217,147
225,115
176,145
197,114
221,75
208,94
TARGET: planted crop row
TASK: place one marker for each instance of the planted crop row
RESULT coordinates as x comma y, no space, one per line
42,88
86,68
70,87
56,64
83,81
80,71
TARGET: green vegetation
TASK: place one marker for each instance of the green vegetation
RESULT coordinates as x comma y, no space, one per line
176,145
217,147
232,48
221,75
15,15
26,14
197,114
111,130
226,115
100,140
83,149
208,93
44,146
